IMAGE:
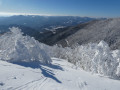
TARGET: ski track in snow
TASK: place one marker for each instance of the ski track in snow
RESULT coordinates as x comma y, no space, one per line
34,85
68,77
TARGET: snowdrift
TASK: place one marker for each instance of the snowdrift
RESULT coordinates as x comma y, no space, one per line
14,47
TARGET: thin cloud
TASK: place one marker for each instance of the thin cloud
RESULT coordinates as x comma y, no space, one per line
11,14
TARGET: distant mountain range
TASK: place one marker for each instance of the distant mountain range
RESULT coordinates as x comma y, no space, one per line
38,26
41,23
66,30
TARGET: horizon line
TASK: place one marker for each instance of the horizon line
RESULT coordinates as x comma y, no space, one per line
8,14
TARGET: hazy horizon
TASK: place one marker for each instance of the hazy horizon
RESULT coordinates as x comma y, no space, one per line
83,8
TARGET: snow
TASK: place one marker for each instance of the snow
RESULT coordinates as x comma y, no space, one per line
26,64
62,75
93,57
14,47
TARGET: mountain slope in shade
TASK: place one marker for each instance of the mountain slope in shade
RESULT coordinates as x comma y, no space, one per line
53,36
95,31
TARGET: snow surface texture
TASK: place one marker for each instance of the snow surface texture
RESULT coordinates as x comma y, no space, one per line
14,47
61,75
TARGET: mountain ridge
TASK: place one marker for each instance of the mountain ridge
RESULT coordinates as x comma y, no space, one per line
92,31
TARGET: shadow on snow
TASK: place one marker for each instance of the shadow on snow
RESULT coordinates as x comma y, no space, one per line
45,71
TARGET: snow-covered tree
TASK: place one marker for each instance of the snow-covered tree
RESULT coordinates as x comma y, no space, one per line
15,47
93,57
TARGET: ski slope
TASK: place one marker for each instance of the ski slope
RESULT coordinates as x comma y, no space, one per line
61,75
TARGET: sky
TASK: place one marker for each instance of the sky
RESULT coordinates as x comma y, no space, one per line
90,8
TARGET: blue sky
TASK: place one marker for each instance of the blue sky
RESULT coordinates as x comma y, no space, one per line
92,8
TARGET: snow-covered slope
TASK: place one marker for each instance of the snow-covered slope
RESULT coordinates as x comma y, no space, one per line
26,64
62,75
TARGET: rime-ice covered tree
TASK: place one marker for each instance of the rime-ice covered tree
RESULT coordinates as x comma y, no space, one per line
15,47
93,57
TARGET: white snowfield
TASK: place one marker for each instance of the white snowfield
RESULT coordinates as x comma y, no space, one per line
62,75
